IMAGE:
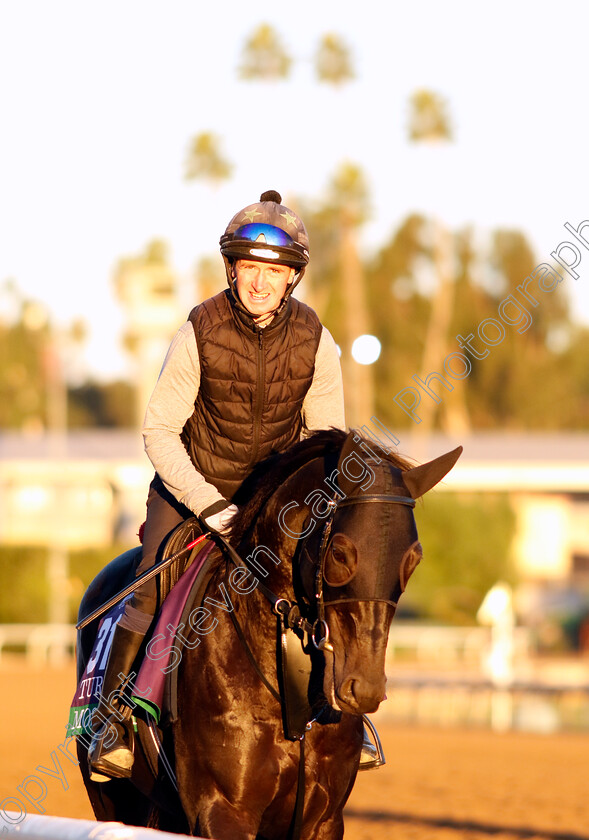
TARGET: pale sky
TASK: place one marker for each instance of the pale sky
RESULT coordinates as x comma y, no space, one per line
99,101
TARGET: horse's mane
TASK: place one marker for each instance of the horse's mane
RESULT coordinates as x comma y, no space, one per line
269,474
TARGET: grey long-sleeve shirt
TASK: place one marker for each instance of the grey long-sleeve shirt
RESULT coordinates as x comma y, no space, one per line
172,403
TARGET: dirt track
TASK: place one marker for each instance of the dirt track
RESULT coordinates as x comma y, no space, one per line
438,784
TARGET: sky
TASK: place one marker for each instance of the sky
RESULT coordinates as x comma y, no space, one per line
99,102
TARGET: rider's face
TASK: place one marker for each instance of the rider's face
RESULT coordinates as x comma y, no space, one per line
261,285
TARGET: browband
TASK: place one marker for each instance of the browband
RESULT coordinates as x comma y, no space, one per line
399,500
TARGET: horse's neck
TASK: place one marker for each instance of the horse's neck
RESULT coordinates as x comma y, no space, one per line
270,556
269,551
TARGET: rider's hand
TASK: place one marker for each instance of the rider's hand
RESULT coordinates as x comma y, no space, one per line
220,521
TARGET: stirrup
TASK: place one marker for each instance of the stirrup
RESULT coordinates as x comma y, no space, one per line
372,754
116,760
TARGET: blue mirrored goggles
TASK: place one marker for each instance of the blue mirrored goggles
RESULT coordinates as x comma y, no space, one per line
263,233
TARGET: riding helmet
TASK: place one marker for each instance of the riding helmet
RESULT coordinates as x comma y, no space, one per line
268,232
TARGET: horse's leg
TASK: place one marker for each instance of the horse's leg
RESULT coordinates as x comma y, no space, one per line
252,787
227,775
332,757
219,819
231,758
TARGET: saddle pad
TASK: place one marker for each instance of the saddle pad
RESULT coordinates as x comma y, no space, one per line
196,598
88,690
164,652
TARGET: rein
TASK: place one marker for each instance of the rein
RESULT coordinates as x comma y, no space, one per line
282,607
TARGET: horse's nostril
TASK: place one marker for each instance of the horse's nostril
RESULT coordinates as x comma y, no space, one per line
347,690
360,694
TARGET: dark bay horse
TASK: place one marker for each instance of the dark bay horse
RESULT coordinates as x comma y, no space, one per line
327,541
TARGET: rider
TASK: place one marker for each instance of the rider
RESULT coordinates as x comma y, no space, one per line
249,372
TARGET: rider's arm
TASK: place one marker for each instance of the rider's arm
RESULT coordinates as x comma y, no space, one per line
324,404
170,406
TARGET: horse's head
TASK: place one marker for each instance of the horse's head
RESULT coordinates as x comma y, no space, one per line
356,563
342,510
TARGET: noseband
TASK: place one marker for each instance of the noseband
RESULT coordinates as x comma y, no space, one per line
335,504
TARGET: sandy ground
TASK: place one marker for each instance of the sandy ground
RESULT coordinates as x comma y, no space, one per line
438,784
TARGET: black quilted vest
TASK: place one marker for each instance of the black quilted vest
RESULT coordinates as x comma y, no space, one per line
253,383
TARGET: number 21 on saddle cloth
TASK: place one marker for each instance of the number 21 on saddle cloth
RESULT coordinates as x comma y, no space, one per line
88,689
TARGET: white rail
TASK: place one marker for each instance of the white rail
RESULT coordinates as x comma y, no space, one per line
42,643
441,643
34,827
45,643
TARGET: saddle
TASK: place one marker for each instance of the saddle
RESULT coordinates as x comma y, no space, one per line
183,534
182,587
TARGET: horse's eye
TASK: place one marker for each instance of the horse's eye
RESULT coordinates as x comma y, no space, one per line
409,562
338,554
341,562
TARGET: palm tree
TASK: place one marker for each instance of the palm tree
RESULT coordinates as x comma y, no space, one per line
348,194
205,160
429,120
264,58
147,287
429,123
333,62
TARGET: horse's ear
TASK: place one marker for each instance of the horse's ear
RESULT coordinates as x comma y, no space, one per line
419,480
347,482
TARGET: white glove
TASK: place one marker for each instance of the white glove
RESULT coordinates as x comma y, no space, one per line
220,521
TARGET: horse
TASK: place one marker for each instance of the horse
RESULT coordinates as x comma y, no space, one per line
320,552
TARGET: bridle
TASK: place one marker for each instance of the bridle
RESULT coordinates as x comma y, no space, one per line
289,612
335,504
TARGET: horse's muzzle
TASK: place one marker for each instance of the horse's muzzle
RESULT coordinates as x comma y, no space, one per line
359,696
355,676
